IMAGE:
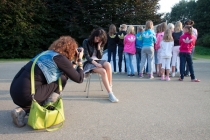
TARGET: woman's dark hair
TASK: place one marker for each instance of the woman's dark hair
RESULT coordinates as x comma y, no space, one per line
99,32
189,22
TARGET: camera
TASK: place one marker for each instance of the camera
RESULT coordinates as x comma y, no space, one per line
79,49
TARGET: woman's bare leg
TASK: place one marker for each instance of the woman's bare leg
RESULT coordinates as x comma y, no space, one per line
108,68
104,78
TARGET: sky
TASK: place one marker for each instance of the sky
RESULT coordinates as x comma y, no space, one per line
165,5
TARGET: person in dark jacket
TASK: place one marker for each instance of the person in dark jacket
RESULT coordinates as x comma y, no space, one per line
112,45
121,34
54,63
175,58
93,49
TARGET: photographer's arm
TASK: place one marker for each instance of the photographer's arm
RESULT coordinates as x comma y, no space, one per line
76,75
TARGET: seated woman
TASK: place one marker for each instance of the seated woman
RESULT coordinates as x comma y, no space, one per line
93,47
55,63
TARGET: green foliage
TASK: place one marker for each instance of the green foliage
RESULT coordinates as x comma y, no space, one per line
21,28
28,27
200,50
182,11
202,18
204,40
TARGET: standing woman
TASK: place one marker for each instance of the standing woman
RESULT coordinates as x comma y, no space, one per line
149,39
159,37
195,33
175,58
139,45
112,45
93,48
121,34
58,61
129,50
187,42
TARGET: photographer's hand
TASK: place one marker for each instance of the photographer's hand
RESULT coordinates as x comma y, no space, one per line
81,53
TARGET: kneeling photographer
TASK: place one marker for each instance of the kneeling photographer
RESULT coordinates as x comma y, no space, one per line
60,60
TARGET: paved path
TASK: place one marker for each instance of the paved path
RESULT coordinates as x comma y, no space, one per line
148,109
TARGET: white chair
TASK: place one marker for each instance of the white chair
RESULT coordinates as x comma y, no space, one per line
87,87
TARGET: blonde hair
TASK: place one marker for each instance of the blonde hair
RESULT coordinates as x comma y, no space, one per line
149,25
168,36
123,27
170,26
163,26
140,28
130,30
112,29
178,26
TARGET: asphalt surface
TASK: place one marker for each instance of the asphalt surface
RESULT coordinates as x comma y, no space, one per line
148,109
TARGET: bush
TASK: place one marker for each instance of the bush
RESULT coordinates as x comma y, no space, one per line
200,50
204,40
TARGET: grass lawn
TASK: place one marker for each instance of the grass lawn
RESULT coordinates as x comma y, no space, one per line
11,60
201,52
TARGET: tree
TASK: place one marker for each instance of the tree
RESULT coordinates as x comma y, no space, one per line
182,11
22,28
28,27
202,17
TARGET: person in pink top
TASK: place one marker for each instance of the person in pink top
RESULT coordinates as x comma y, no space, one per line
187,42
129,50
160,35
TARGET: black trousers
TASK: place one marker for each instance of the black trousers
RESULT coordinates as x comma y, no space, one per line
20,89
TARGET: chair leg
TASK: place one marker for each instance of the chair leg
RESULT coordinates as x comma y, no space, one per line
100,82
88,86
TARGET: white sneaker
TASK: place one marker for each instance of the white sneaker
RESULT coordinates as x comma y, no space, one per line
112,98
173,74
18,115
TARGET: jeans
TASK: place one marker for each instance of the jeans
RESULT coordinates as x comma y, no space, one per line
113,52
186,57
187,67
138,59
120,55
129,66
147,52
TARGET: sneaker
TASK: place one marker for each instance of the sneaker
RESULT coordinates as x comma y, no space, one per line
115,72
167,78
129,75
173,74
162,78
132,75
141,75
112,98
18,115
151,76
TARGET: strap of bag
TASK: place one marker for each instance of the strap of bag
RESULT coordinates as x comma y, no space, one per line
33,80
33,92
55,128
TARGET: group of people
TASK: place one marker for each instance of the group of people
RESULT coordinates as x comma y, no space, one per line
64,59
168,46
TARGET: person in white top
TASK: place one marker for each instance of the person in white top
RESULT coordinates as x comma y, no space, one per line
166,46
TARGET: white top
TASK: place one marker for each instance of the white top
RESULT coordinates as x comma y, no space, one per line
166,49
94,55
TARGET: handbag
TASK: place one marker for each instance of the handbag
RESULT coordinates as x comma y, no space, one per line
43,117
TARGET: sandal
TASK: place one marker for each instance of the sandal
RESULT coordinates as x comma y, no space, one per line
195,80
180,79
